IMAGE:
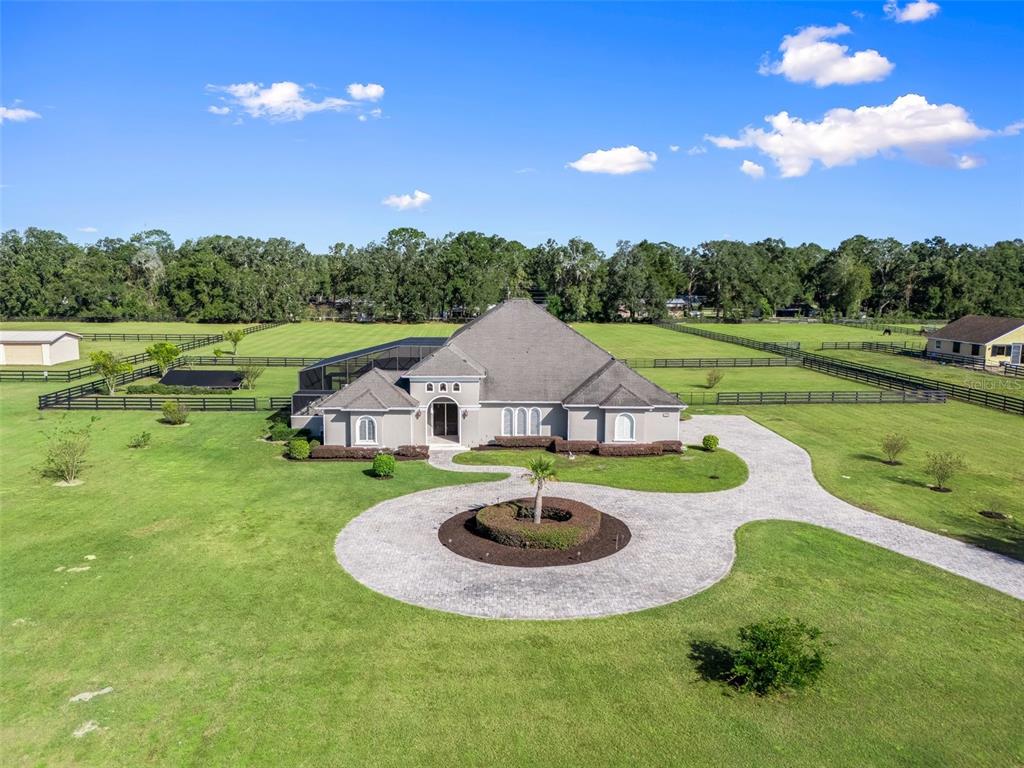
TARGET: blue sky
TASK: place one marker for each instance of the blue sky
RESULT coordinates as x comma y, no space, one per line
107,124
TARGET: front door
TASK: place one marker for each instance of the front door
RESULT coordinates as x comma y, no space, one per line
446,420
1016,354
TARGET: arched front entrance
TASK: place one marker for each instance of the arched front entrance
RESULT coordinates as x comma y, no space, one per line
443,422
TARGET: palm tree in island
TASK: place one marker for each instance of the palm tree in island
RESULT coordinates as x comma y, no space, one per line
542,470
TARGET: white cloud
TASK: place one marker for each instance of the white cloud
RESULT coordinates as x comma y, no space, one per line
17,114
407,202
919,10
752,169
806,57
968,162
525,170
673,147
368,92
617,161
88,230
1012,129
215,110
280,102
910,125
362,118
698,149
857,14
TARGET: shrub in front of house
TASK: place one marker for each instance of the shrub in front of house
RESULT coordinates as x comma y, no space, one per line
298,449
710,443
574,446
281,432
670,446
523,441
314,443
175,412
629,449
384,465
777,655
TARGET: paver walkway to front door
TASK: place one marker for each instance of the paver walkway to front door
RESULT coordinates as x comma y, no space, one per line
682,542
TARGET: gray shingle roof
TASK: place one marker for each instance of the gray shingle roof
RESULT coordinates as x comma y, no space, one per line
978,329
375,389
449,360
614,383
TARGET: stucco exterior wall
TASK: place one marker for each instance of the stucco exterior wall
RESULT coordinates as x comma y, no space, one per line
335,428
468,394
553,420
585,424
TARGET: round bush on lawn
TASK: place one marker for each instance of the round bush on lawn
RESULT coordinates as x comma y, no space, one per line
710,442
384,465
298,449
564,524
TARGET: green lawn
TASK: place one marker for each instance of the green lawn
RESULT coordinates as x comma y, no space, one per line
788,379
696,471
215,609
844,441
642,340
324,339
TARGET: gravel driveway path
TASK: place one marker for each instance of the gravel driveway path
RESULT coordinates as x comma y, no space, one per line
682,542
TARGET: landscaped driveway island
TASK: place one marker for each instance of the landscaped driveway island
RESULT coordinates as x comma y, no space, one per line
681,543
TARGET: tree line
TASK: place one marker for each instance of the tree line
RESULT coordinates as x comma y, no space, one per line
408,276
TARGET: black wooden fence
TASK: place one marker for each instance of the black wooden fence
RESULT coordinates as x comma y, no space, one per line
220,404
184,341
712,362
852,397
1017,371
907,350
240,360
880,377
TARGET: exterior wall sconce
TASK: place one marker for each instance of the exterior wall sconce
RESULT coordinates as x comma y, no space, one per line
465,414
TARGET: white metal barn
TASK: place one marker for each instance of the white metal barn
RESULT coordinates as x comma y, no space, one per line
38,347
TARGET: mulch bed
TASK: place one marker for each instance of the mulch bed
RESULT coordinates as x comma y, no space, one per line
457,534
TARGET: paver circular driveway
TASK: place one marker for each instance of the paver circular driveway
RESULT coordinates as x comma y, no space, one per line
682,542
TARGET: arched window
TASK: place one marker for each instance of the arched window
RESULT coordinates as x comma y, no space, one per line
625,427
443,387
520,421
456,387
535,421
506,421
430,387
366,430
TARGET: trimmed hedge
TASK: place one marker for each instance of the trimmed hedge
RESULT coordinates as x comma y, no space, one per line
523,441
574,446
343,452
171,389
360,453
630,449
298,449
565,524
670,446
710,443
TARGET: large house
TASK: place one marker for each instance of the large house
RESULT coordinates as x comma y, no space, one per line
516,370
992,341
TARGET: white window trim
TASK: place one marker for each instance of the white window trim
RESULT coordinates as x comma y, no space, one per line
359,423
529,422
510,429
632,420
456,387
430,386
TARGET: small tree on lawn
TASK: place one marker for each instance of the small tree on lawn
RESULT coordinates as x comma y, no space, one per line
942,466
777,655
109,367
893,445
235,336
249,375
66,449
542,470
714,376
163,353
